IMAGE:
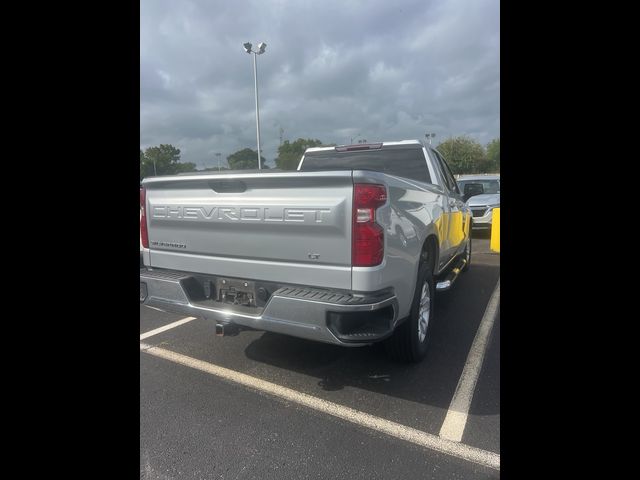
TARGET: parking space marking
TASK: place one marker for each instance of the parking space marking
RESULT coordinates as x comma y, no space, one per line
151,333
456,419
155,308
417,437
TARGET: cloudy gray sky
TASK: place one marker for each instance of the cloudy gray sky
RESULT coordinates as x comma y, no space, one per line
333,70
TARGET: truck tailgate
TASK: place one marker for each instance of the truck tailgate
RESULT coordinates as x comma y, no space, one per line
282,227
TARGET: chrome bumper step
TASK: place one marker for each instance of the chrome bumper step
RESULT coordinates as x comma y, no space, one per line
447,282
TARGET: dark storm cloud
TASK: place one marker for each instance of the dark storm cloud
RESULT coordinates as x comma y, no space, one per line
333,70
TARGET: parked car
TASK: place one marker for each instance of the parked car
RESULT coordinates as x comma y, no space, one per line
482,205
348,250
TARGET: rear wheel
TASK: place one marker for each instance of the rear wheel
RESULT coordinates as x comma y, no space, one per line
410,340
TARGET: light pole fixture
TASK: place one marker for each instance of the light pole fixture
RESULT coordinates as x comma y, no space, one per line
261,48
429,136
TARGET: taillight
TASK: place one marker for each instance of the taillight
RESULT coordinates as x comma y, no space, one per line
367,245
144,234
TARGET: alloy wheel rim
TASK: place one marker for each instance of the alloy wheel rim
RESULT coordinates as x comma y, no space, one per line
424,312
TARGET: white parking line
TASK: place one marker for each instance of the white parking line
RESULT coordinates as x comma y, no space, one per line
156,308
166,327
424,439
456,419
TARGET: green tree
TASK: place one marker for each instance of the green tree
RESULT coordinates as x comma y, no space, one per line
143,166
289,154
493,156
245,159
163,160
463,154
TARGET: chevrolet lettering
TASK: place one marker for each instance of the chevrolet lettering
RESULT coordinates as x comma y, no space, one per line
244,214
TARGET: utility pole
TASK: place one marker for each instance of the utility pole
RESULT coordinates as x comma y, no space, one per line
261,48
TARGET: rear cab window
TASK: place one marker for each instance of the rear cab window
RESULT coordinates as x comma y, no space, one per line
405,161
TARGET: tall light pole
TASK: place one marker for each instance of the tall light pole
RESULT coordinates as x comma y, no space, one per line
261,48
429,136
218,155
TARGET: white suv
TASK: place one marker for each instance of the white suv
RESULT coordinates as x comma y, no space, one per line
482,205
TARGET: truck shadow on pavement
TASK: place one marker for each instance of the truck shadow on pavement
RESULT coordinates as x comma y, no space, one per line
433,381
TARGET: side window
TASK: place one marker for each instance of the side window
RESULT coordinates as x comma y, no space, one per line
451,180
438,166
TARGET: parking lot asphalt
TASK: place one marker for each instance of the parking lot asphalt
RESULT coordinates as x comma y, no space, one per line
196,425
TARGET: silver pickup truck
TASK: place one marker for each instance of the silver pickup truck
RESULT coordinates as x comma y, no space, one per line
349,250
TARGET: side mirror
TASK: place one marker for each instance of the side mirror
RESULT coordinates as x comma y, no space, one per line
471,190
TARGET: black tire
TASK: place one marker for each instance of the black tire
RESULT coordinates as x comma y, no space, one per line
405,344
467,254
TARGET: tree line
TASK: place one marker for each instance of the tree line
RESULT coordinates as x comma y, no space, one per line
463,154
165,160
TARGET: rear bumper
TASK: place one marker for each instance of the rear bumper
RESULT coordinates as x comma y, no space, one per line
315,314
